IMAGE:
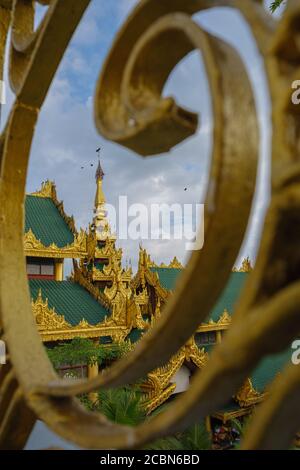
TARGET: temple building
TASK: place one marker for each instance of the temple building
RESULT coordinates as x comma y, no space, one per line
104,302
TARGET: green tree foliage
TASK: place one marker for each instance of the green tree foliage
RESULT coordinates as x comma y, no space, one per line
194,438
124,406
81,351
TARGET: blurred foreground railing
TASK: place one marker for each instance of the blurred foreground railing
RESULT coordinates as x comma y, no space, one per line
129,110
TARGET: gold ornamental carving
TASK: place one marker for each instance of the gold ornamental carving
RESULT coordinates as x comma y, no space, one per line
34,247
247,395
46,318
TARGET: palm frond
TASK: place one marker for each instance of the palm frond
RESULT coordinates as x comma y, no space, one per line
276,4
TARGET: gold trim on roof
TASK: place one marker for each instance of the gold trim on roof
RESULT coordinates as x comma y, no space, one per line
48,189
34,247
107,251
159,379
225,416
145,275
223,323
247,395
83,330
46,318
53,326
160,398
175,264
107,274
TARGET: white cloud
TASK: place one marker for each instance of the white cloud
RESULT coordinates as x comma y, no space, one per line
66,138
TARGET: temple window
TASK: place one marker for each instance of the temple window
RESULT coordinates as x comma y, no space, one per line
39,267
209,337
105,340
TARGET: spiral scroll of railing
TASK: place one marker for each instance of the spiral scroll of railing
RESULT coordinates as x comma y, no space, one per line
130,110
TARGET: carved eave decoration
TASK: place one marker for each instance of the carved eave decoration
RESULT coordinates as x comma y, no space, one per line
247,395
119,296
98,275
83,330
117,289
108,251
127,274
159,380
160,377
46,318
138,301
145,276
222,324
142,298
34,247
48,190
152,279
136,282
145,259
107,274
193,354
53,326
160,398
134,318
230,415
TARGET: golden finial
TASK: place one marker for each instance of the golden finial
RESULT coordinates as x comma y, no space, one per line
99,172
246,266
48,189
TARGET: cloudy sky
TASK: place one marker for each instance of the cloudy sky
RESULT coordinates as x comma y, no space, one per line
66,138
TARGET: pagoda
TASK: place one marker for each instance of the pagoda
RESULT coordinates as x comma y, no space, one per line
104,302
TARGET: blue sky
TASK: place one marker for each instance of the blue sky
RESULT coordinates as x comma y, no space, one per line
66,139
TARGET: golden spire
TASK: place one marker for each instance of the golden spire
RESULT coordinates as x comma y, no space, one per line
102,227
100,198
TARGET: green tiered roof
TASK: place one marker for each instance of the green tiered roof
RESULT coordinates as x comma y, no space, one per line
70,300
230,295
167,276
269,367
45,221
135,335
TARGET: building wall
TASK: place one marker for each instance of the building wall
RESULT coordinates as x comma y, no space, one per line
182,379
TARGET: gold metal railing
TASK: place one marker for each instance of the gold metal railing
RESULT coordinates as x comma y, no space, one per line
130,110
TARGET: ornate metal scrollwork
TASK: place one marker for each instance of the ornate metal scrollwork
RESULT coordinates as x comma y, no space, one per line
129,110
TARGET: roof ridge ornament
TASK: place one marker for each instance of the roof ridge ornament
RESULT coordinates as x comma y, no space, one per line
246,266
48,189
174,264
247,395
34,247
